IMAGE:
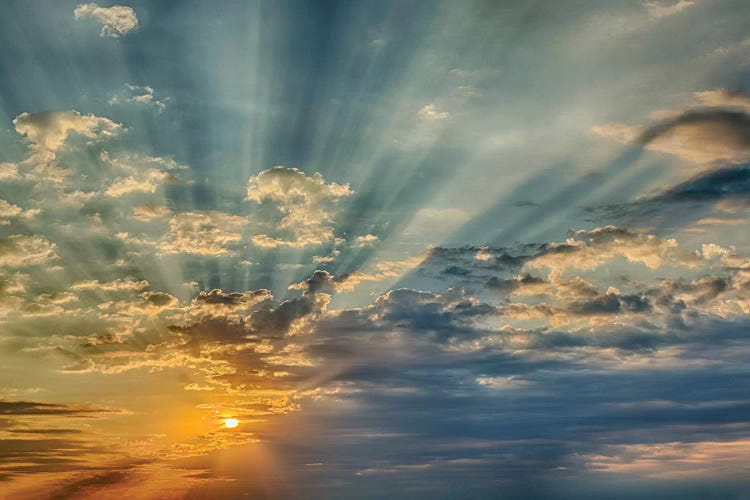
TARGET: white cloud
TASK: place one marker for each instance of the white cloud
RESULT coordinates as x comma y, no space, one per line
502,383
587,250
48,130
201,234
116,21
18,251
431,112
145,183
305,203
366,240
10,211
139,94
8,171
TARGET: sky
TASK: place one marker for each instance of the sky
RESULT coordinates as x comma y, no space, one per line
379,249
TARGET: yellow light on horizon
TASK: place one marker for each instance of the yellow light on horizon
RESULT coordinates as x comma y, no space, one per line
231,423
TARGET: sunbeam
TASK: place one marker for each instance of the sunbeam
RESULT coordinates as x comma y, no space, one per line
376,249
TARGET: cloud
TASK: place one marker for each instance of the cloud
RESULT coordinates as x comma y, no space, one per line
714,136
587,250
502,383
139,94
704,136
116,21
723,98
148,182
201,234
8,171
20,251
366,240
48,130
217,303
9,211
658,10
24,408
118,285
674,460
380,271
306,205
150,211
431,112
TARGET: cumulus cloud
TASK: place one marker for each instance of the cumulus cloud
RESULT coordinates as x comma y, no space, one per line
588,250
116,21
20,251
201,234
306,204
366,240
48,130
8,212
8,171
378,272
217,303
147,182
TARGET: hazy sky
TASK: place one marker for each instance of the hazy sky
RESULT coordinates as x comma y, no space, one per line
375,249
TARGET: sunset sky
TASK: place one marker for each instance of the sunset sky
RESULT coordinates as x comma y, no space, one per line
375,249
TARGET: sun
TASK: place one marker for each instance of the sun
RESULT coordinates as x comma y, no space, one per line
231,423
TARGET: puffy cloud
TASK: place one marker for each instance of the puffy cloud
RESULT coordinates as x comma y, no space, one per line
8,171
483,255
19,251
587,250
366,240
201,234
291,186
116,21
217,303
147,182
149,304
9,211
380,271
48,130
305,203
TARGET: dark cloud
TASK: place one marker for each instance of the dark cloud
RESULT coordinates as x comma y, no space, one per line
611,304
36,408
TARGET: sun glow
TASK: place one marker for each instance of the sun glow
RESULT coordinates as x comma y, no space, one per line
231,423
